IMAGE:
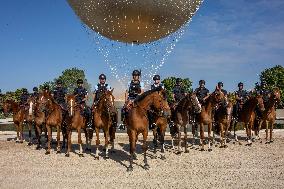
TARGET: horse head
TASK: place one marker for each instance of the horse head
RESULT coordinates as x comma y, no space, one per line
217,96
160,102
32,104
194,103
107,101
276,94
259,102
7,106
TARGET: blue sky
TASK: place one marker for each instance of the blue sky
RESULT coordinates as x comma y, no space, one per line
227,40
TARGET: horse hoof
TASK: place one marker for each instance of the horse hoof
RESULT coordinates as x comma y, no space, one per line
146,167
216,145
97,158
234,142
220,147
209,150
29,144
106,157
81,155
186,151
271,141
253,140
38,148
202,150
267,142
21,142
67,155
47,153
129,169
240,143
154,157
178,153
225,146
17,141
261,142
163,158
58,152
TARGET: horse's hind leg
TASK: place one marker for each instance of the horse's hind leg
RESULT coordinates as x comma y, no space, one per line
97,143
145,147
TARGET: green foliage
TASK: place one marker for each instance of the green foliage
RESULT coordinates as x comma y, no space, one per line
13,95
170,82
274,77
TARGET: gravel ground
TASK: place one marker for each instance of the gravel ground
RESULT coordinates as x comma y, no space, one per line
238,166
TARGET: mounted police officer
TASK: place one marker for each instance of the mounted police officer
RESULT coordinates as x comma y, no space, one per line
178,91
24,98
101,88
264,91
157,83
81,95
241,97
35,93
59,94
202,93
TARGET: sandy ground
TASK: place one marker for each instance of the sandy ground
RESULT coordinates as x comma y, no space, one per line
238,166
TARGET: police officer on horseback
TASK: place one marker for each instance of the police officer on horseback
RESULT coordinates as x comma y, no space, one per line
24,98
178,91
35,93
264,91
241,97
157,83
101,88
202,93
59,94
81,95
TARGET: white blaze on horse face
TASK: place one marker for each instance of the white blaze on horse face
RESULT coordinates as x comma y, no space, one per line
71,104
41,99
112,101
198,104
31,108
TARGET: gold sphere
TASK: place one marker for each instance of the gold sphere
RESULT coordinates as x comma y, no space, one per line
135,21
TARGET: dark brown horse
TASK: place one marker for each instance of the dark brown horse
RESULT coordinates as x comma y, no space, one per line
137,121
223,117
206,117
102,114
181,117
18,117
269,115
247,115
53,119
76,121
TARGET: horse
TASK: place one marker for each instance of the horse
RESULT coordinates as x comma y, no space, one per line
40,119
137,121
223,117
269,115
102,119
54,118
247,115
75,121
18,117
188,106
30,117
206,117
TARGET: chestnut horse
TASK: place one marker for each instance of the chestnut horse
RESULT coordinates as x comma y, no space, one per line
269,115
247,115
102,117
223,117
40,119
206,117
53,119
18,117
76,121
30,117
137,121
181,117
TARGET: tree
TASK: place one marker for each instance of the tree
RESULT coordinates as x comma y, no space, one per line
274,77
170,82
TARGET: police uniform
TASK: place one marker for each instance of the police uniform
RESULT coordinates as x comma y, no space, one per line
59,94
100,89
80,93
24,99
179,92
265,95
134,89
243,96
201,93
154,86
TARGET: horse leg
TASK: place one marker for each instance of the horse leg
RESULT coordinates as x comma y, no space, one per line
48,128
38,128
30,133
202,138
58,149
97,143
271,131
21,126
69,134
155,142
64,134
222,135
210,140
163,157
89,137
80,142
248,128
179,138
106,143
185,139
145,147
132,142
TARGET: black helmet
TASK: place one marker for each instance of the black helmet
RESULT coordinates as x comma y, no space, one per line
220,84
156,77
35,89
46,87
201,82
59,82
136,73
80,81
178,80
24,90
240,84
102,76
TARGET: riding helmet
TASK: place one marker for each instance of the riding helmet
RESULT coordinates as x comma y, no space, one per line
24,90
59,82
136,73
102,77
178,80
35,89
46,87
201,82
156,77
220,84
240,84
80,81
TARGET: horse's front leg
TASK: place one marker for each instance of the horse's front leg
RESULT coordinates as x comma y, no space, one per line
248,130
58,148
97,143
80,142
38,135
210,140
69,134
30,133
132,142
155,142
145,147
106,142
185,139
48,128
222,135
179,138
18,133
163,157
202,138
89,137
271,131
21,126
